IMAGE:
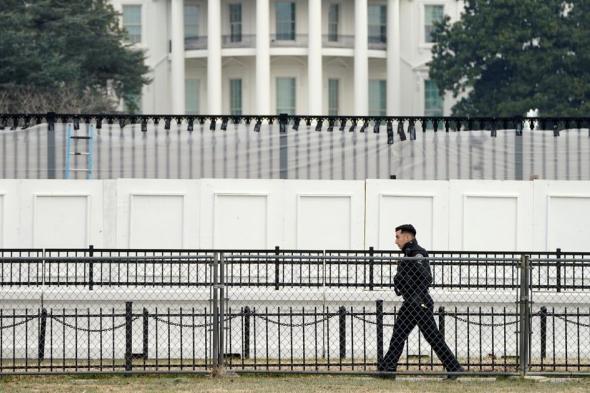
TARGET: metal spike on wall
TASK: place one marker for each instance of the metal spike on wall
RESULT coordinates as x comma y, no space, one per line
376,126
412,131
364,126
319,124
389,133
400,130
330,125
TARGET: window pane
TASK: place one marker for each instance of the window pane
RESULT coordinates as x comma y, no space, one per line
191,94
235,93
132,22
433,101
377,15
432,15
286,95
191,21
285,20
235,21
333,19
333,93
132,14
377,97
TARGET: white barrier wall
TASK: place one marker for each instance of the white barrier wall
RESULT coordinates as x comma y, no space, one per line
294,214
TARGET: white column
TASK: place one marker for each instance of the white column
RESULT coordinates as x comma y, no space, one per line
214,57
177,56
262,57
314,59
361,59
394,88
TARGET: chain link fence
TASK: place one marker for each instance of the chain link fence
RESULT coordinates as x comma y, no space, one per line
332,311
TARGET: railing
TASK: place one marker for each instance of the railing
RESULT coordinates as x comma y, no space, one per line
377,42
282,40
338,41
288,40
195,43
239,41
358,269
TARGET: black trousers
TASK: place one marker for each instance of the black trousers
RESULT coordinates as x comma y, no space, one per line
410,315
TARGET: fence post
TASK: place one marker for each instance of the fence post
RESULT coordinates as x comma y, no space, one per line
51,145
42,330
215,307
524,314
379,318
90,268
246,350
145,333
441,320
283,150
342,325
222,305
371,267
558,268
543,332
277,268
128,336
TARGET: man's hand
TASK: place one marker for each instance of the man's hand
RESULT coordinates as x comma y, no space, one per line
395,287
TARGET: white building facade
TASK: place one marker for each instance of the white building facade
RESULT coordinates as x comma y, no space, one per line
317,57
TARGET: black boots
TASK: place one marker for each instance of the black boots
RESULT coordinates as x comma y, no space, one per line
453,377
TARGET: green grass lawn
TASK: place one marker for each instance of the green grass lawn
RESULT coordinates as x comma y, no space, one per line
281,384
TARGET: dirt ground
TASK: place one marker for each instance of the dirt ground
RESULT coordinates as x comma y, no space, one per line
283,384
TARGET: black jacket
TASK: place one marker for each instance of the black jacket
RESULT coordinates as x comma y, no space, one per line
413,277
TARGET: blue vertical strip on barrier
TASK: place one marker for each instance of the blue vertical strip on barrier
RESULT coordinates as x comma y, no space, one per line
90,156
68,149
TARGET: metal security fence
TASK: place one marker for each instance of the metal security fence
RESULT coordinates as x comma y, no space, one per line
303,311
111,146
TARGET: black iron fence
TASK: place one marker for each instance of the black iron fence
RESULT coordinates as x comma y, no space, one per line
280,268
113,310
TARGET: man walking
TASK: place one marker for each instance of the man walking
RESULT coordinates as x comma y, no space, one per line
412,281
